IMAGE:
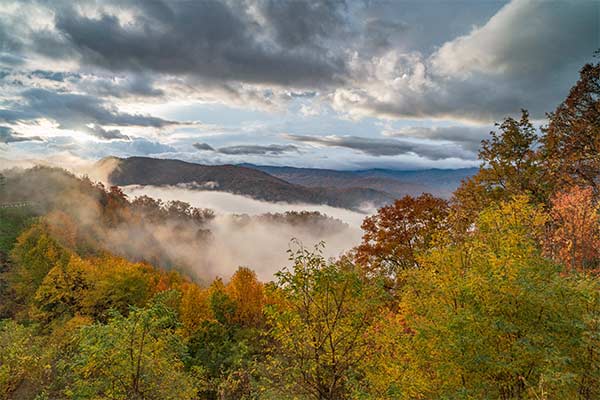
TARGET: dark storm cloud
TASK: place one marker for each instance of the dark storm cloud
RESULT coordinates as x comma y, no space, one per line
74,111
110,134
468,137
8,42
379,31
54,75
479,61
385,147
250,149
526,56
203,147
271,149
304,23
131,85
205,39
8,135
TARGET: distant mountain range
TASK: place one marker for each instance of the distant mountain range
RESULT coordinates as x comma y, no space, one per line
439,182
347,189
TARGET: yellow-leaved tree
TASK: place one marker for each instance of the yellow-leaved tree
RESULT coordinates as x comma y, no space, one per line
492,318
323,322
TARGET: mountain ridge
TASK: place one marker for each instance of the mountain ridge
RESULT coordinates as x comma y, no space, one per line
346,189
440,182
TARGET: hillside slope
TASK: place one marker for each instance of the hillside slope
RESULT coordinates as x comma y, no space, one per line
438,182
236,179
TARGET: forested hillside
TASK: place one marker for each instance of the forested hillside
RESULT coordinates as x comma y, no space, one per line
238,180
438,182
492,294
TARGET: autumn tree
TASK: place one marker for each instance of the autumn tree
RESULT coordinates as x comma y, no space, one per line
62,291
247,293
572,137
133,357
176,209
511,164
395,236
574,237
33,256
493,318
511,161
116,207
152,210
194,307
117,284
223,349
322,325
62,227
91,287
22,358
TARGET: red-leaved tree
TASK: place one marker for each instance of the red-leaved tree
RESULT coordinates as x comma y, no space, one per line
574,237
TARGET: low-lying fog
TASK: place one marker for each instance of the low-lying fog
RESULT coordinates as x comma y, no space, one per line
258,244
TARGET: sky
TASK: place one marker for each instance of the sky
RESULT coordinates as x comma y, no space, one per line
327,84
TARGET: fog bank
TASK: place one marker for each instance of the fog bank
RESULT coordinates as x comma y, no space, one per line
258,244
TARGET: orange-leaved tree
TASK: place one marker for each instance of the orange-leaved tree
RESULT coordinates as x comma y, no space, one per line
395,236
248,295
574,237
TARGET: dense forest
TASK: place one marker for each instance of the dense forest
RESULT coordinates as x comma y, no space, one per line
493,294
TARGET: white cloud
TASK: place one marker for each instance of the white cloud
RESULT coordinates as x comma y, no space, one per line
303,65
525,56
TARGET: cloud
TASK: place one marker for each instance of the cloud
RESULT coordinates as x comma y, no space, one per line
102,133
128,85
249,149
379,31
304,23
520,58
356,55
133,147
72,110
55,148
56,76
84,66
523,39
385,147
78,112
203,147
469,137
8,135
205,39
271,149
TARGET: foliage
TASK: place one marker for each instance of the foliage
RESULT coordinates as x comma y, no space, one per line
247,294
92,287
12,222
133,357
33,256
394,237
22,358
322,325
495,294
511,165
227,345
511,161
574,237
571,140
194,307
492,318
